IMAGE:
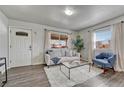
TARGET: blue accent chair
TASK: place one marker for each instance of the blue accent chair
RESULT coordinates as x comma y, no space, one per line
105,60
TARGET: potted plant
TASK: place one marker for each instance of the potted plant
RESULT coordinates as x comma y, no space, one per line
78,44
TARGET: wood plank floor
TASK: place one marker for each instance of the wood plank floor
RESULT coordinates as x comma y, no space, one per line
34,76
109,79
28,76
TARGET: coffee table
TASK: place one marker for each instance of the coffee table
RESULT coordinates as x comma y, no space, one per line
74,64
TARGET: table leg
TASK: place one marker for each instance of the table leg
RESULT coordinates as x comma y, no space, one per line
89,66
69,75
60,67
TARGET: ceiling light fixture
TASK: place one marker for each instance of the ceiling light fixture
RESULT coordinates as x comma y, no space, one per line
68,12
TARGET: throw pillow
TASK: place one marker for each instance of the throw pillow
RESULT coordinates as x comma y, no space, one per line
55,60
58,53
52,54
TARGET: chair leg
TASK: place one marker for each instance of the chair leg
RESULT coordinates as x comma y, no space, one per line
92,64
113,69
48,66
104,71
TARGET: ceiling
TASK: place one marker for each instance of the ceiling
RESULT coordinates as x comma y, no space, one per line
53,15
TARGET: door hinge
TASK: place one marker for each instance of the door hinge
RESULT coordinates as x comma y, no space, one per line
10,46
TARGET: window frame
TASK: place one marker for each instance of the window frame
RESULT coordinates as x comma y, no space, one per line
66,40
101,30
21,33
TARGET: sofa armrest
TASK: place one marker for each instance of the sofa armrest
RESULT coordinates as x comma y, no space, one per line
78,55
47,59
112,59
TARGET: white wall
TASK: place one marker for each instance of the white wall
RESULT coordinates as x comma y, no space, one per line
3,36
85,34
37,37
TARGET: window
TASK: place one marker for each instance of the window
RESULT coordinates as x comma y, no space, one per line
21,34
58,40
102,38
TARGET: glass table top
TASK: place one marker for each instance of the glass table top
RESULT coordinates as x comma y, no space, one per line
75,64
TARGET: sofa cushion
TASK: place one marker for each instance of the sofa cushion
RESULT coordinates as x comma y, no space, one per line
58,53
55,53
68,53
69,59
104,55
74,53
102,62
100,56
63,52
52,55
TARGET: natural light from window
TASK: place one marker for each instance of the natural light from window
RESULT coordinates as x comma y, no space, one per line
102,38
59,40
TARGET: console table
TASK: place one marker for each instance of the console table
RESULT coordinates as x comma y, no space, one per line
4,64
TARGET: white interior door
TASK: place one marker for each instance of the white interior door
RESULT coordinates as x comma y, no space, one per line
20,47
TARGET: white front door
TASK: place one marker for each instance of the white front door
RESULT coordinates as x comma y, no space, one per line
20,47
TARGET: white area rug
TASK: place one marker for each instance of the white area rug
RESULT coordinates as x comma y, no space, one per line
78,75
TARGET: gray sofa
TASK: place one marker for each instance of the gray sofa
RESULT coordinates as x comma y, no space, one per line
65,55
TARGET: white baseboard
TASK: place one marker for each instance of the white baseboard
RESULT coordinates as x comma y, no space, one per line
37,63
